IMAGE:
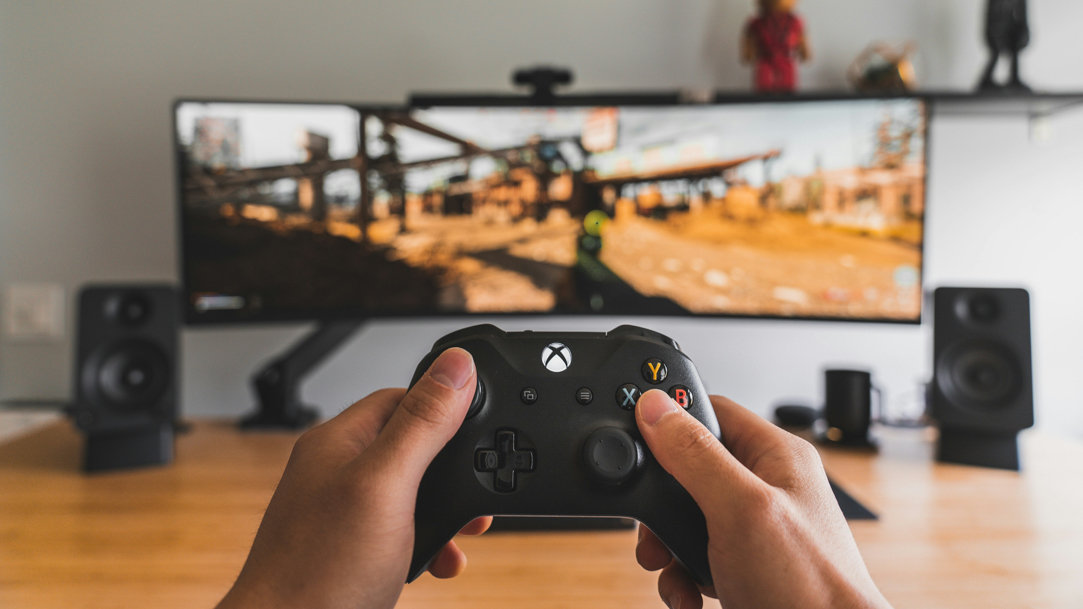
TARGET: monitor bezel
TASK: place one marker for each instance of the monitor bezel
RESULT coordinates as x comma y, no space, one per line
192,317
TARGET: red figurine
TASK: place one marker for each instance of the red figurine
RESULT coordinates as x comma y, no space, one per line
772,41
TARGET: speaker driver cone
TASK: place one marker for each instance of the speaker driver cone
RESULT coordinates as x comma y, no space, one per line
978,374
128,373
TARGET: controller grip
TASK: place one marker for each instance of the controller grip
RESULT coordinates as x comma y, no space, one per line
684,533
683,536
427,544
432,530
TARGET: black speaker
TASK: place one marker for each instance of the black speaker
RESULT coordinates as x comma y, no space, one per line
126,374
982,390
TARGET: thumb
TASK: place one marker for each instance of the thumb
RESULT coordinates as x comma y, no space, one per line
688,450
427,417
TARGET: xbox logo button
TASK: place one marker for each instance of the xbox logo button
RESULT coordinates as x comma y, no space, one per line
556,357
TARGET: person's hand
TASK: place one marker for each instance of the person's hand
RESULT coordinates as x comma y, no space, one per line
339,531
776,536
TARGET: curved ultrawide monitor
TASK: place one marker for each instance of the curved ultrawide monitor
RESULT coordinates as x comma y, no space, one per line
781,208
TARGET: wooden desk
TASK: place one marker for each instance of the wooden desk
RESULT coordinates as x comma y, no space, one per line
949,536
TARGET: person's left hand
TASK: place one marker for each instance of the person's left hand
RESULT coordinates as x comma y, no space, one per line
339,531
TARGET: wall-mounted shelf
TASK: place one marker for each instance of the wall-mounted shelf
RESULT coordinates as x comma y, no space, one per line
954,103
1032,105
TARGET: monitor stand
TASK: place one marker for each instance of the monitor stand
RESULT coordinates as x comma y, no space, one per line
277,383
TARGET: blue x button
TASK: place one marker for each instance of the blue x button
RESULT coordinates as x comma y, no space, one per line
627,396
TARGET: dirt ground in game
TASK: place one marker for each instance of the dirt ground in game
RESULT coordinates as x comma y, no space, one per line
489,266
780,264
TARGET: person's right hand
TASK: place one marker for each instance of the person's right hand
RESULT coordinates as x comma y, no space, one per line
776,535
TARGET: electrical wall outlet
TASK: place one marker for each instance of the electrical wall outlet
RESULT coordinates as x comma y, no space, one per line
34,311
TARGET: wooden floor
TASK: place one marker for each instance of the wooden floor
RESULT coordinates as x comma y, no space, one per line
948,536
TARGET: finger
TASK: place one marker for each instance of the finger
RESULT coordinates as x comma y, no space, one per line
477,526
747,435
651,553
448,562
677,589
363,420
341,439
690,452
427,417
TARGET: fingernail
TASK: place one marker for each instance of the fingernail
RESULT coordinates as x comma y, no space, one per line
452,368
674,602
654,404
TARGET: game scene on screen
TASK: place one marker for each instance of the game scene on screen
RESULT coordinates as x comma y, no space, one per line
810,209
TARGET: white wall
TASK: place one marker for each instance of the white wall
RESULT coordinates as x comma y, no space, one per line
86,187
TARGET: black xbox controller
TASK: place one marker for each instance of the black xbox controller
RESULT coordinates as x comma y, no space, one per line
551,431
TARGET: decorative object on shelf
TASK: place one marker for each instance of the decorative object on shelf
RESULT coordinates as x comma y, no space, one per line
882,68
772,42
1006,31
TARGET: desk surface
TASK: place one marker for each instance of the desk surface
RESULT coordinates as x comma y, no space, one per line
948,536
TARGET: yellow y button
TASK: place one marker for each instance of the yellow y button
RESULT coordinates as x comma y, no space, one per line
654,371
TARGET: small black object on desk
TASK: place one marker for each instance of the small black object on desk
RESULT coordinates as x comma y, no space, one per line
797,416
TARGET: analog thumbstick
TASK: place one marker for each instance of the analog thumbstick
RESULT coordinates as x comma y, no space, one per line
479,399
612,455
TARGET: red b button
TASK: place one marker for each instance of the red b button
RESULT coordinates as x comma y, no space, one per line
682,395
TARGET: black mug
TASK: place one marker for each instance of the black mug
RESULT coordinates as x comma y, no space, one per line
848,405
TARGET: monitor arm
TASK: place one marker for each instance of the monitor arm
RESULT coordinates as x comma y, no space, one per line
277,382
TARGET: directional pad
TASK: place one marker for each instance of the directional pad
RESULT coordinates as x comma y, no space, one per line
504,460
